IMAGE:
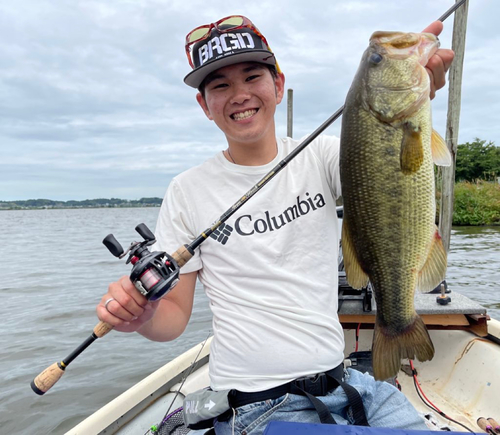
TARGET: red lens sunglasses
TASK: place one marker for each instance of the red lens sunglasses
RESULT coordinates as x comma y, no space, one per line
230,23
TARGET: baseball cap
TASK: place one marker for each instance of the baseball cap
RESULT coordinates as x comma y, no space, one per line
228,41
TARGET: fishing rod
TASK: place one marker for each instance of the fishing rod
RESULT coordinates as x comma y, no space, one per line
154,274
486,425
494,424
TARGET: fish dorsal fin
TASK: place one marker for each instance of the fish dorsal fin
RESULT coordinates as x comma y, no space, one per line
412,149
356,278
440,152
434,269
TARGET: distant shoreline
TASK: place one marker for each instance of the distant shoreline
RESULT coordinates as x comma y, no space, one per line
48,204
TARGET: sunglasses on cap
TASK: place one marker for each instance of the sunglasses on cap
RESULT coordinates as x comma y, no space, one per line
224,25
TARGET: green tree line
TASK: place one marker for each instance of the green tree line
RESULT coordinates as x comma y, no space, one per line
477,191
87,203
478,160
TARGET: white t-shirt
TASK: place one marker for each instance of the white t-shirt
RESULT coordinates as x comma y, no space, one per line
270,272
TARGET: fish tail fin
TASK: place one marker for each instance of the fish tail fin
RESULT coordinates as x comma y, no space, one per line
390,348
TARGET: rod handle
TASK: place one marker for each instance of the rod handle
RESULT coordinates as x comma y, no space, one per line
46,380
484,424
495,424
183,255
102,328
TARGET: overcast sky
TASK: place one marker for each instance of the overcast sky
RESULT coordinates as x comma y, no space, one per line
93,104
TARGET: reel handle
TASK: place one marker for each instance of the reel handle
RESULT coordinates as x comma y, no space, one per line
113,245
145,232
48,378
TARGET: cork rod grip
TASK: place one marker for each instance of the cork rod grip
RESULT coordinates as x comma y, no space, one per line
182,256
102,328
495,424
484,425
46,380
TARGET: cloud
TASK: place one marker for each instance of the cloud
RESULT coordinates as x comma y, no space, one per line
92,100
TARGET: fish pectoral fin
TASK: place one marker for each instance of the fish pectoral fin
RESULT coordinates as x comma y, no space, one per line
412,149
440,152
434,269
356,278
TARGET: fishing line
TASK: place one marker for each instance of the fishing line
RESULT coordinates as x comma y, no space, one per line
156,428
161,270
189,373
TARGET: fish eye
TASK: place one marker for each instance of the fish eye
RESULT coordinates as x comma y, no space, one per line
375,58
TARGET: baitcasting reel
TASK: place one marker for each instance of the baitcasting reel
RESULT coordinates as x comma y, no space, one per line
153,273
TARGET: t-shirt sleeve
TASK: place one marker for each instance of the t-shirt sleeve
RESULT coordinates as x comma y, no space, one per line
331,153
176,226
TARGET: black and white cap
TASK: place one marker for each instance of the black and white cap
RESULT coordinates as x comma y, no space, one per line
224,49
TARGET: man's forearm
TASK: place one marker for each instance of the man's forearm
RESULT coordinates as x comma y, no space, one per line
168,322
173,312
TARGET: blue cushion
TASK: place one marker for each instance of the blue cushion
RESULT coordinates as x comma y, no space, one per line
287,428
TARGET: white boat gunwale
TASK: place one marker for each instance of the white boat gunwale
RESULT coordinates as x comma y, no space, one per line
132,402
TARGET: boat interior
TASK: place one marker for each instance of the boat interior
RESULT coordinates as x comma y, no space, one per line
458,386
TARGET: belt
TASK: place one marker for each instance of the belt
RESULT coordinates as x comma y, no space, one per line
312,387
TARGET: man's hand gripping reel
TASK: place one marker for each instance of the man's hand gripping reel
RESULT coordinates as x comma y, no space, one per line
154,274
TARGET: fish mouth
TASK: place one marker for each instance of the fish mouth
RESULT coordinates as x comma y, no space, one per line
401,45
397,88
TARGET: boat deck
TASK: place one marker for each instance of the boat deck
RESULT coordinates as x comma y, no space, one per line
460,313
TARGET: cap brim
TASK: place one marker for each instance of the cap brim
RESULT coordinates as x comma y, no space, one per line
195,77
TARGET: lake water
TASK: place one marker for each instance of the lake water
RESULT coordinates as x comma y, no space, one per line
55,270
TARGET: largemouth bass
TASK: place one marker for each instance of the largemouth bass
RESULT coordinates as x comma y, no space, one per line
387,152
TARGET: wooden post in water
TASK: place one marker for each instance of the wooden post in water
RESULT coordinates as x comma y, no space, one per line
452,123
289,113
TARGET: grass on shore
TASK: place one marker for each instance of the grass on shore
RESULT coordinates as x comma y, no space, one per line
476,203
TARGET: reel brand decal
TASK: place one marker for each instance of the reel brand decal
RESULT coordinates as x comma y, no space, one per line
224,43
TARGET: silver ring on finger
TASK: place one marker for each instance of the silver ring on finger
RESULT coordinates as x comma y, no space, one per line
107,302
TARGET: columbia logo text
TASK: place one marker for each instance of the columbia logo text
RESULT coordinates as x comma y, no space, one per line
245,225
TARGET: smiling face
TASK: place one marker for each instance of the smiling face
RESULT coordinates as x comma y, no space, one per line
241,99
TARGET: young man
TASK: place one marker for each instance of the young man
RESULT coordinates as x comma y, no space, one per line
270,271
